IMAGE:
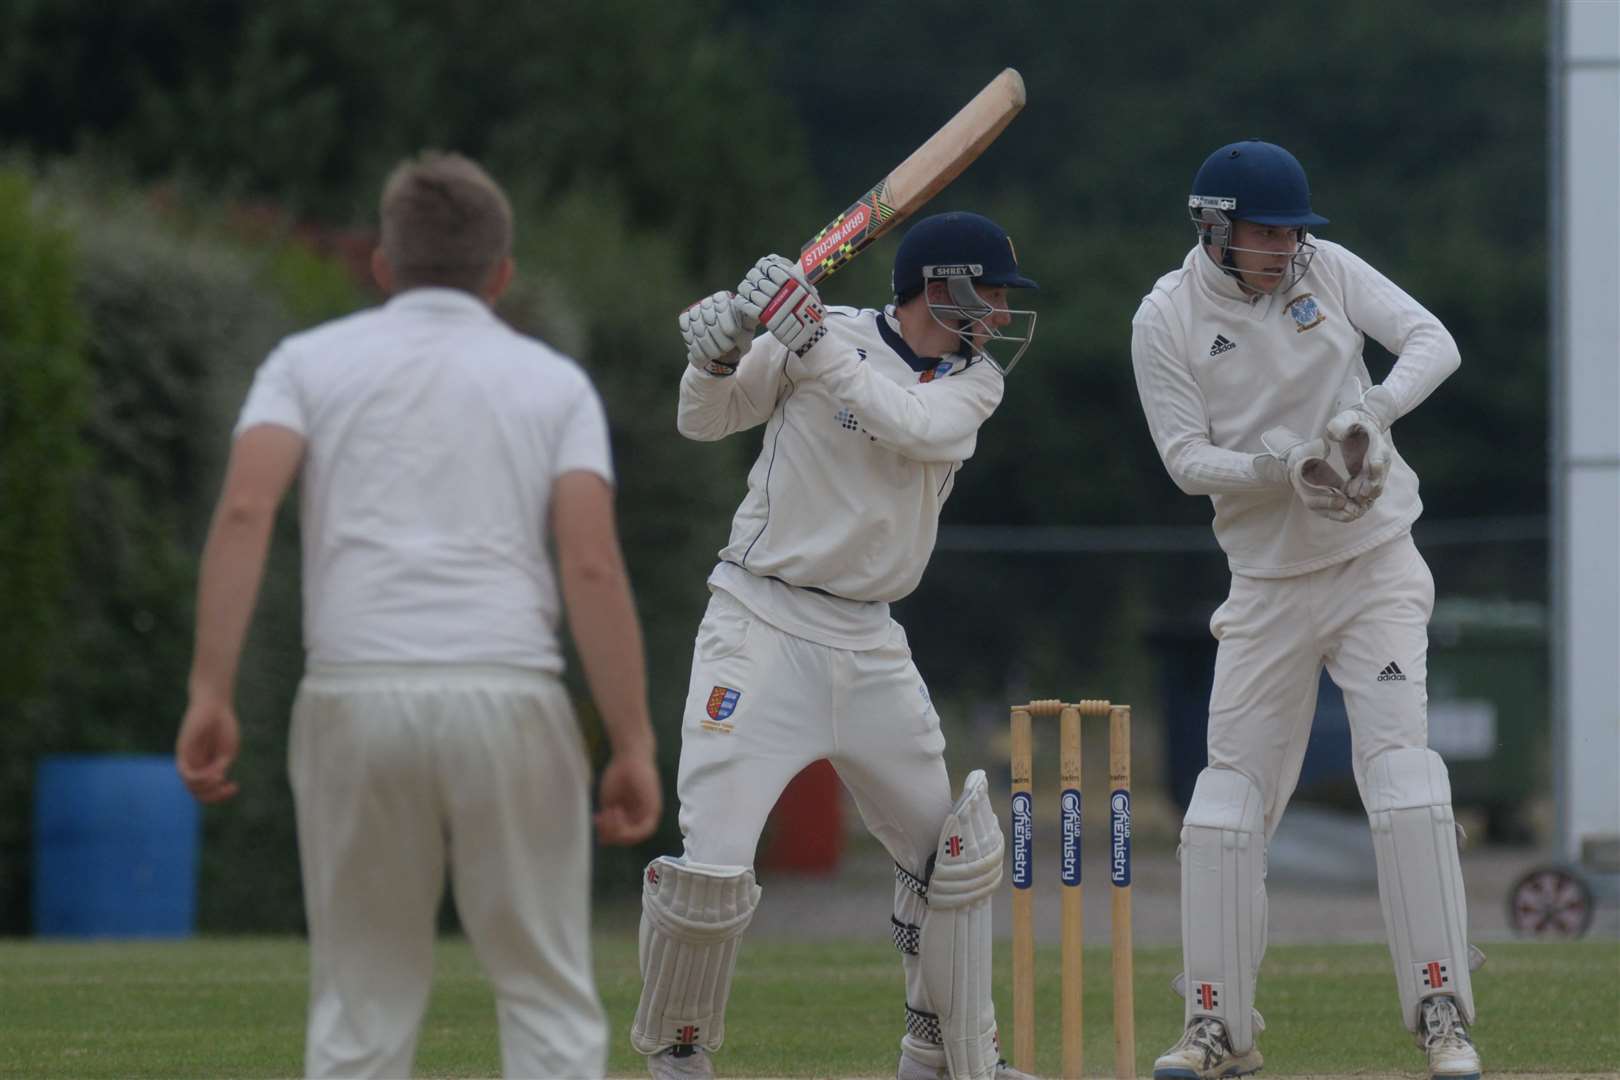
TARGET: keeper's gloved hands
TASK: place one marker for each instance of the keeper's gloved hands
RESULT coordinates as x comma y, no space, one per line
776,293
714,334
1314,479
1359,429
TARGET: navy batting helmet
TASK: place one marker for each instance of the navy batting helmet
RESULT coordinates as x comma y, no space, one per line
967,252
956,239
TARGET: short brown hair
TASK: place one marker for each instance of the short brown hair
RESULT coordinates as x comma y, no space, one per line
444,222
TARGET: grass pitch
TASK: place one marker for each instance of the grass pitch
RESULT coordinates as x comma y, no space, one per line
235,1008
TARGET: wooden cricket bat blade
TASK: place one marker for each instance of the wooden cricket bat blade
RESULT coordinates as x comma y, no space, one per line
917,179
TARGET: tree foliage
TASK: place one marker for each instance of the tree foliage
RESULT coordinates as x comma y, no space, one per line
1424,140
310,103
652,152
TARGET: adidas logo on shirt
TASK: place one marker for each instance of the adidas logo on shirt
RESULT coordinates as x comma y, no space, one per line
1221,344
1392,673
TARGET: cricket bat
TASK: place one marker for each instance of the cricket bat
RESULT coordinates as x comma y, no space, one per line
917,179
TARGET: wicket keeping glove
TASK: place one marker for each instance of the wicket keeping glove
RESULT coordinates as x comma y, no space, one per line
776,293
714,334
1316,482
1360,432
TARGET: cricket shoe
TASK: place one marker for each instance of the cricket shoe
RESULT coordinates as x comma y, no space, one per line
913,1069
1444,1038
683,1062
1204,1053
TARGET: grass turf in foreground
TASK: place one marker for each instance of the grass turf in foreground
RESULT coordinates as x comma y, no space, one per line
235,1008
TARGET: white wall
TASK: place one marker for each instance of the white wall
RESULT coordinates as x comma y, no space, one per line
1585,325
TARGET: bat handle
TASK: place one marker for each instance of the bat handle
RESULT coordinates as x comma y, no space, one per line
780,300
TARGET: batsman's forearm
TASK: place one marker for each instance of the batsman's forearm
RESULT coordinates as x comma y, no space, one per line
602,619
936,423
227,589
711,408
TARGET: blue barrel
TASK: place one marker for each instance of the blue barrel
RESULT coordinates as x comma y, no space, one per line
115,847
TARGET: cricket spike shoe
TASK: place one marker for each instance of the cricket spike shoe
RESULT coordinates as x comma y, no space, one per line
1204,1053
683,1062
913,1069
1443,1037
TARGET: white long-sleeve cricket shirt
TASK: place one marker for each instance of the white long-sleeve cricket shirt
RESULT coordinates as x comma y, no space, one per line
862,442
1216,369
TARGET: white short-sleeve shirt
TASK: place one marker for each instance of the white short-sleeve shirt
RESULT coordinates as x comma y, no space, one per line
434,434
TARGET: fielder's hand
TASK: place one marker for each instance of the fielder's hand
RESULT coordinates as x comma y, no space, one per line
206,749
631,799
775,293
1360,433
714,334
1316,482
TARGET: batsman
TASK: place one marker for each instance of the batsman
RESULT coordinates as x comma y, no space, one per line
868,416
1249,366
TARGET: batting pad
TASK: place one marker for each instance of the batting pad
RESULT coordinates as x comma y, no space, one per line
1223,901
955,945
1420,879
692,919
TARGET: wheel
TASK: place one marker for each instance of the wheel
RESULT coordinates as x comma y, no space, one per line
1550,901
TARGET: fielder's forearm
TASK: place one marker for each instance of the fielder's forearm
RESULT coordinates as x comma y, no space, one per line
1178,420
1424,350
1428,358
227,589
602,619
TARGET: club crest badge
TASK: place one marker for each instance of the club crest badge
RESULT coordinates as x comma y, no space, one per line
722,703
1305,312
938,371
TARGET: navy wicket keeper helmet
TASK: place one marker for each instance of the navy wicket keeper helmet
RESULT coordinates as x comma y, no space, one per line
967,251
1252,181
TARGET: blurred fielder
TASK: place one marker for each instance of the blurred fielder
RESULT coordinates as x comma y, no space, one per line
431,731
868,416
1248,363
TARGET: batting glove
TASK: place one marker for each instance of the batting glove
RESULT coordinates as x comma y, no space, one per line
1360,432
1316,482
714,334
776,294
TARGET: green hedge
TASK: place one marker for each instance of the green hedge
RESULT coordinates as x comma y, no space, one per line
161,322
43,401
42,405
177,308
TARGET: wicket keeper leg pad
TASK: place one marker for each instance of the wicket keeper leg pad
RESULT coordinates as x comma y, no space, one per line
954,950
692,920
1420,881
1223,901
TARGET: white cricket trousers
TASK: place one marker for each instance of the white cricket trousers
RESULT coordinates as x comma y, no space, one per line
400,772
1367,620
796,702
